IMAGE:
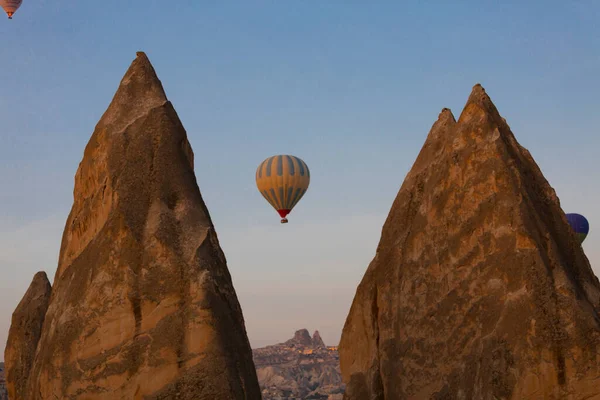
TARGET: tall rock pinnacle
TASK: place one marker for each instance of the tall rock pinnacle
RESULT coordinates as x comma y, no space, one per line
479,288
24,334
143,306
317,341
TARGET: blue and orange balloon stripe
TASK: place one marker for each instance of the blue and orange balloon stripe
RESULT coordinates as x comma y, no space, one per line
283,180
275,166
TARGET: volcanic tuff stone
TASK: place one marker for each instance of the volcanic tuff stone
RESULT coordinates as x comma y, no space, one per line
142,305
24,334
479,288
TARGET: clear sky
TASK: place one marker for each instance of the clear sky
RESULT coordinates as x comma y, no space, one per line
351,87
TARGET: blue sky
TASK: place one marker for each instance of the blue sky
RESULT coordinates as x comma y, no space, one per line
351,87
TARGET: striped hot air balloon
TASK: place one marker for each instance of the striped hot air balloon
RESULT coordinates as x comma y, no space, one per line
580,225
283,180
10,6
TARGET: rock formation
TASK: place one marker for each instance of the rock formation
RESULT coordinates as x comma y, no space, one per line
301,338
143,305
24,334
317,341
293,370
479,288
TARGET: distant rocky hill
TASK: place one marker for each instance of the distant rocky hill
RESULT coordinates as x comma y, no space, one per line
301,368
3,392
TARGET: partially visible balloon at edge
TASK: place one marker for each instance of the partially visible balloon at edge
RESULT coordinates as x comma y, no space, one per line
10,6
579,224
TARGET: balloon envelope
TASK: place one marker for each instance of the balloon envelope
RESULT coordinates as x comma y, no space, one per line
282,180
10,6
579,224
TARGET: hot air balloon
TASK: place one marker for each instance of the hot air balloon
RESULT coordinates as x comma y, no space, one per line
10,6
282,180
580,225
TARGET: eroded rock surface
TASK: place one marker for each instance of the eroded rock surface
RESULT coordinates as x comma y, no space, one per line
24,334
479,288
143,305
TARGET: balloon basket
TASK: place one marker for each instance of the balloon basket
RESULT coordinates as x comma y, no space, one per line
284,221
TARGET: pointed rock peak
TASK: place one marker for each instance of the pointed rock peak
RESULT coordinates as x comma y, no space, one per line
24,335
109,156
302,334
479,99
446,114
40,279
140,90
479,96
475,244
440,133
301,337
142,72
477,88
140,258
317,341
40,286
445,119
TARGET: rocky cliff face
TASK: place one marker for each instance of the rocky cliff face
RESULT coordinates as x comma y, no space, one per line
24,334
299,369
479,288
142,304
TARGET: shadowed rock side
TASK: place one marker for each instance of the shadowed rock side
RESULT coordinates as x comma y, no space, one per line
479,288
24,334
3,391
143,306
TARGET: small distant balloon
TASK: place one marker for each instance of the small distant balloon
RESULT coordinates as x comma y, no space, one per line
10,6
579,224
282,180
